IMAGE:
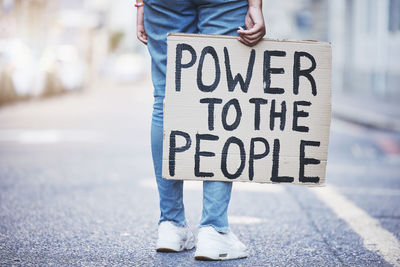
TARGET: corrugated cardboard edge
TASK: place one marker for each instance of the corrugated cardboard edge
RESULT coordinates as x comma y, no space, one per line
177,34
322,184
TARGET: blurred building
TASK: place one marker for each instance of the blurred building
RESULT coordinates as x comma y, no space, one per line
366,48
297,19
365,37
48,47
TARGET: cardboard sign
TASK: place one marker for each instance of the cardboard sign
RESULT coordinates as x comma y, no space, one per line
252,114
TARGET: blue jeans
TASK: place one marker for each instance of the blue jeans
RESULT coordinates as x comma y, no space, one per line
189,16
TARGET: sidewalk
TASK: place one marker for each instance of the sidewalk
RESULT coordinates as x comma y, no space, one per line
367,111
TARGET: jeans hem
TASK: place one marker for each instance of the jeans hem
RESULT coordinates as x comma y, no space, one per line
223,230
178,224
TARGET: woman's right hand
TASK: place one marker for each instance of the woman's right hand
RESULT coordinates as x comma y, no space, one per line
140,31
254,22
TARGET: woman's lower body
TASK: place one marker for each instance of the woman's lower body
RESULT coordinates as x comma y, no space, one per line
189,16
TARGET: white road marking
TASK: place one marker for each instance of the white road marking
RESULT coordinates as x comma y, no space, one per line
243,187
245,220
48,136
370,191
376,238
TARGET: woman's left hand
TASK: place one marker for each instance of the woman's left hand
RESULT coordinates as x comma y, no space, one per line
140,31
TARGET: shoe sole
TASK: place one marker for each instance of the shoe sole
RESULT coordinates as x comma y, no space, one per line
172,250
188,245
204,258
220,258
167,250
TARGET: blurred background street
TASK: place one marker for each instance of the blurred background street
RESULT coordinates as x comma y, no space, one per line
76,176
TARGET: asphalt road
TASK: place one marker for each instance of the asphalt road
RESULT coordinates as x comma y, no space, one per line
77,188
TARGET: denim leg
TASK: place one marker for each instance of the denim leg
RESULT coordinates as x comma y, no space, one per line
219,17
208,17
162,17
170,191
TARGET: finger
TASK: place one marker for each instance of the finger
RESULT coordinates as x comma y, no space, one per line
144,34
255,29
241,30
244,41
252,37
143,40
256,36
250,42
142,37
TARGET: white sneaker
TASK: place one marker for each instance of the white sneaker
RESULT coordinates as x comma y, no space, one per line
172,238
212,245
